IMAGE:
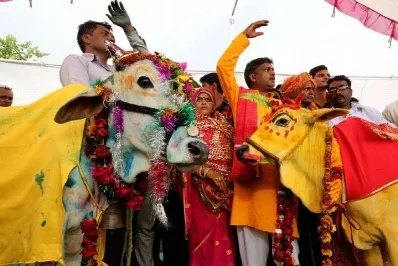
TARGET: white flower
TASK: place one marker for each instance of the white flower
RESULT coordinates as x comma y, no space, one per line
281,217
278,231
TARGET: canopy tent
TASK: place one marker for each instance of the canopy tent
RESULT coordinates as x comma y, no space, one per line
378,15
30,2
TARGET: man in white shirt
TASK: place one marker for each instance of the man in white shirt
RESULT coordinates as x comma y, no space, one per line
391,112
340,88
92,65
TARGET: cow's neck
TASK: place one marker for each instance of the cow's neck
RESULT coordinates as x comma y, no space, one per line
303,171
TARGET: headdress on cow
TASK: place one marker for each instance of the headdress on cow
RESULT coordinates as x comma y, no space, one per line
294,85
274,104
208,91
180,81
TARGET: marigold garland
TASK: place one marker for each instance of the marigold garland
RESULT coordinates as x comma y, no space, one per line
332,188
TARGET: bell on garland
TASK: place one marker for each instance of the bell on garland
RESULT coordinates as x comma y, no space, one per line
112,217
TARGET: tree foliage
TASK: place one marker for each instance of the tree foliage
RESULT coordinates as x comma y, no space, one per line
11,49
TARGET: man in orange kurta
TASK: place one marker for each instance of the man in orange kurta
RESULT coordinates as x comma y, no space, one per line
254,209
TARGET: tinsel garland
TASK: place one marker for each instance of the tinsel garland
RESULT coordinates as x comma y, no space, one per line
167,121
118,125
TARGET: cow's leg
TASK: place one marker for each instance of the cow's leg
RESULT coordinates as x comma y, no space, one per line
392,247
373,257
75,200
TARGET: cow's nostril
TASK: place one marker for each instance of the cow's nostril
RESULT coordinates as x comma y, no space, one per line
242,149
194,148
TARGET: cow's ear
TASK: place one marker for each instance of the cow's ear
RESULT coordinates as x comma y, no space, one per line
85,105
323,115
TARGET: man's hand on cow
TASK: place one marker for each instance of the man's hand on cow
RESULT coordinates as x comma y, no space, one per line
251,32
119,16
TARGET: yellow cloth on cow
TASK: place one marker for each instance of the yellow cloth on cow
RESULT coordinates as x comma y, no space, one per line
36,157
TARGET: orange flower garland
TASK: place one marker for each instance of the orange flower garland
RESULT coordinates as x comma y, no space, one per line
332,189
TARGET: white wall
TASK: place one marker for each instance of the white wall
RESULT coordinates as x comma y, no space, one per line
32,81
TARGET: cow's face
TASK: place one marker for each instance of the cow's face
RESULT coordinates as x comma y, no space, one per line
282,133
145,92
295,138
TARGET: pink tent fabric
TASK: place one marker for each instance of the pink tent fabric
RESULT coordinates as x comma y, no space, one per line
5,1
367,16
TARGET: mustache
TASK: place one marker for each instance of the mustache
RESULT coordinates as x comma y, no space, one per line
339,96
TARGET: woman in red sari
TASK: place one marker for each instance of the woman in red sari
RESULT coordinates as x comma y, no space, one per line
208,192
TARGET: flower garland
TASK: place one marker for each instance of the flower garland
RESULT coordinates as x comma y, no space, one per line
90,236
103,171
283,236
332,189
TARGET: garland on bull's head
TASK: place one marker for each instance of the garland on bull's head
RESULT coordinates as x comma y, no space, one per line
176,84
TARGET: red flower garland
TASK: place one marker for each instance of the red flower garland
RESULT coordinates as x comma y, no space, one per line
102,169
89,243
283,237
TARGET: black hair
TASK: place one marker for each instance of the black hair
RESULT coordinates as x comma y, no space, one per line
253,65
316,69
340,78
212,78
87,28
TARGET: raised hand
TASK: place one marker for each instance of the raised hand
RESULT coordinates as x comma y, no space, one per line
118,15
251,32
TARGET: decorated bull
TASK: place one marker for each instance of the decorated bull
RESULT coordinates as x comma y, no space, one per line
346,173
58,178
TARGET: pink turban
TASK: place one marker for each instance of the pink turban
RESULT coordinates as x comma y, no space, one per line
202,90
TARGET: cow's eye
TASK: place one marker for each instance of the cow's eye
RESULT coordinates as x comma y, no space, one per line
145,82
282,121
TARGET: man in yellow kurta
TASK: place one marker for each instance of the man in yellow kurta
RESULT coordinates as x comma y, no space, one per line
254,209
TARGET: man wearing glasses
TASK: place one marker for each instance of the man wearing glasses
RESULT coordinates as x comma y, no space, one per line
6,96
340,88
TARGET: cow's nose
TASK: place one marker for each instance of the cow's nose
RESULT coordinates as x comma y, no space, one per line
241,151
196,148
199,151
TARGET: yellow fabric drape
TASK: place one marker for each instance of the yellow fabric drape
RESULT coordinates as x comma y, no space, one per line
36,157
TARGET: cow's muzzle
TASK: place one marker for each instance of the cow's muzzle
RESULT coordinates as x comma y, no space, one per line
199,151
244,154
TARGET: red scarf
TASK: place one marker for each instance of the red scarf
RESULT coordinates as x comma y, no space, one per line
246,125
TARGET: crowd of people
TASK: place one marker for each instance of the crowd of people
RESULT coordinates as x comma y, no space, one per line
227,212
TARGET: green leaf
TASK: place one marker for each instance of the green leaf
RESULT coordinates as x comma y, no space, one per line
11,49
257,98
